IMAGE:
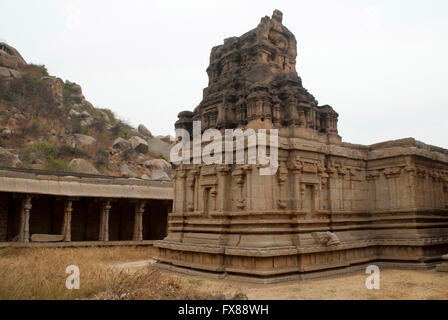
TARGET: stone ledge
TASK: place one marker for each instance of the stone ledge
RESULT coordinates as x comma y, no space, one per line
186,247
298,276
76,244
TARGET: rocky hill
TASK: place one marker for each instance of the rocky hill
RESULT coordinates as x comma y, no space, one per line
46,123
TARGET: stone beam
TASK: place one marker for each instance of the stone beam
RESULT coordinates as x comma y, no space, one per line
28,183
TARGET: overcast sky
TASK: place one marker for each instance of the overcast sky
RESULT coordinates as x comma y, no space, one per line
382,65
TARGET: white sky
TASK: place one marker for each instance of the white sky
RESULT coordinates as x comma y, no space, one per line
382,65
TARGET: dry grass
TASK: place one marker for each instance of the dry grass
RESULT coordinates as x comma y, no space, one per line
122,273
155,285
39,273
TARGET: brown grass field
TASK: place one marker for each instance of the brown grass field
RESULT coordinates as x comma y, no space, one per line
123,273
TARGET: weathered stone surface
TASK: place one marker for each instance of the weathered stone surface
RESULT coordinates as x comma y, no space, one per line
10,57
56,86
47,237
138,144
159,175
144,131
443,267
4,72
78,140
126,172
328,206
75,89
81,165
5,133
253,81
84,118
167,139
159,164
15,74
145,177
7,159
121,144
158,149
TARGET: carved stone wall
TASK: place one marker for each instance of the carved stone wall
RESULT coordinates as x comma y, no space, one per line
330,206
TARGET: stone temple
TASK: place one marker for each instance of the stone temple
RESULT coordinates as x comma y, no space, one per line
331,207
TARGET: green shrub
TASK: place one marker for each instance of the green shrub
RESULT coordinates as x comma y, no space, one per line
6,117
110,114
78,128
46,149
124,134
101,159
87,106
68,151
8,96
77,99
39,68
35,127
57,165
123,131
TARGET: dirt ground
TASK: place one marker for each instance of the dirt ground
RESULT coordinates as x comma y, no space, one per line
394,284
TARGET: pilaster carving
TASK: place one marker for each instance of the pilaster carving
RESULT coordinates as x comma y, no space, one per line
66,227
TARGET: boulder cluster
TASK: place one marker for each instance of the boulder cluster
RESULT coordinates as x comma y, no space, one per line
46,123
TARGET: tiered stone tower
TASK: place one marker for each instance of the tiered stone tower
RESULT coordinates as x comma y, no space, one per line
331,207
253,83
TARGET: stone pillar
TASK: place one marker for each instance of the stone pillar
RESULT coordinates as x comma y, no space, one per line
371,178
192,184
317,196
67,225
181,195
411,172
296,189
248,172
104,223
282,175
24,232
223,171
138,221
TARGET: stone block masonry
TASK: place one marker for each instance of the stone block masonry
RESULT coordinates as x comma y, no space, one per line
331,206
